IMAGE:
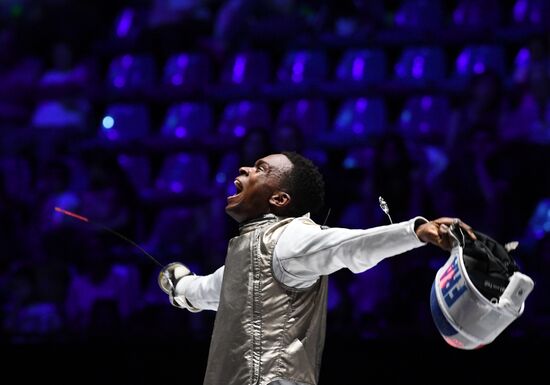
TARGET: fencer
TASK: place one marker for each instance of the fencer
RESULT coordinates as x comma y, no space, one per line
271,294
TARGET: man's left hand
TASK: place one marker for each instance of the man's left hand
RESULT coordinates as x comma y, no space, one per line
437,232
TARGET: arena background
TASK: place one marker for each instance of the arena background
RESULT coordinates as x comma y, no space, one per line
137,115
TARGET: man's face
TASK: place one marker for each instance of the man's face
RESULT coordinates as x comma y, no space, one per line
255,187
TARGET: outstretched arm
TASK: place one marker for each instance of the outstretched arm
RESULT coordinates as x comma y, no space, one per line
305,252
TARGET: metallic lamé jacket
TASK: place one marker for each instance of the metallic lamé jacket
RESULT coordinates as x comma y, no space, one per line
264,330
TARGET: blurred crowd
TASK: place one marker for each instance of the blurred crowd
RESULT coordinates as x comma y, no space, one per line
88,126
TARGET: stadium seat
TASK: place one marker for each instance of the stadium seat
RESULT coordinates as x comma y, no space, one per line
187,120
531,12
425,118
125,122
365,65
187,70
183,172
303,67
476,59
246,68
359,119
131,72
421,64
310,116
240,117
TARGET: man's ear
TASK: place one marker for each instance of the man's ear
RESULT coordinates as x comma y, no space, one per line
279,199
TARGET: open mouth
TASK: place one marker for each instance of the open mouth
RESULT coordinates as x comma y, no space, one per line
238,187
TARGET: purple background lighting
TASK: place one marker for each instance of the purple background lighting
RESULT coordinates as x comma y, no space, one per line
139,114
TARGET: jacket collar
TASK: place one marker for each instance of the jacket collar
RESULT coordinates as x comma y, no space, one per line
252,224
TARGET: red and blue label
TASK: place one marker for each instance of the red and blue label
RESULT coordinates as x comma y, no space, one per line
452,286
452,283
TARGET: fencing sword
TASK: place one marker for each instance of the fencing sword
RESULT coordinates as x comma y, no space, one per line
103,227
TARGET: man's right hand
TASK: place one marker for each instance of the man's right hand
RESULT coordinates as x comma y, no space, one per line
437,232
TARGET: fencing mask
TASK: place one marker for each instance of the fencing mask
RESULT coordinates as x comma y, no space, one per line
478,292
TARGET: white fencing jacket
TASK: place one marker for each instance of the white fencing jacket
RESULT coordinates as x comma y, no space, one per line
305,252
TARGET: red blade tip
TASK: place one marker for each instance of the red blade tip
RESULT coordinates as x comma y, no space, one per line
71,214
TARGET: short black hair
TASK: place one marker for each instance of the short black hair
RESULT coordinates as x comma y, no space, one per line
305,185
